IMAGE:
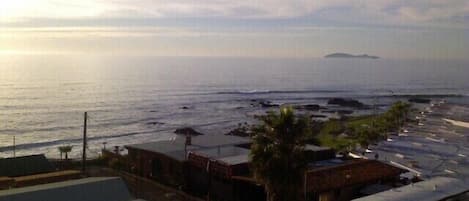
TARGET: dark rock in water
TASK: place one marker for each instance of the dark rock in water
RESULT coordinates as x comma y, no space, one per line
239,132
345,102
187,131
155,123
268,104
419,100
345,55
311,107
342,112
318,116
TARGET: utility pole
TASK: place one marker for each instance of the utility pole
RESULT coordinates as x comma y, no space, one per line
14,146
83,162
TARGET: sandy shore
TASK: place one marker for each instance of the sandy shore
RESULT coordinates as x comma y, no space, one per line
457,123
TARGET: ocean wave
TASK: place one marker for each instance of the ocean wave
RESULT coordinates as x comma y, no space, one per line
425,95
248,92
76,140
44,129
109,123
75,83
50,143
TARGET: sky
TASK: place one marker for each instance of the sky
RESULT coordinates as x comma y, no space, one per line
429,29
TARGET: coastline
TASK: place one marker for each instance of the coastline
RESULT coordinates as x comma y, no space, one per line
435,146
239,108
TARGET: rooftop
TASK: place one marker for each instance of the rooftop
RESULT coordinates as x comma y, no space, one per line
203,143
230,155
326,163
171,148
235,160
25,165
219,140
222,152
435,189
96,188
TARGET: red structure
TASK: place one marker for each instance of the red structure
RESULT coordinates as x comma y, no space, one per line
218,168
352,172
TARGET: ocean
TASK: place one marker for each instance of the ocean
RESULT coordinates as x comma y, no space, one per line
134,99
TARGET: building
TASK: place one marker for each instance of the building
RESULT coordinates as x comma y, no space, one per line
224,172
166,160
88,189
337,179
211,170
329,180
25,165
31,170
217,167
434,189
317,153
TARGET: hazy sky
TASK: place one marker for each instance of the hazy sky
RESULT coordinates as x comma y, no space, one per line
260,28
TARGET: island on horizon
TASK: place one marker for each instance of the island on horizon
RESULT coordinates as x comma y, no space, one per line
345,55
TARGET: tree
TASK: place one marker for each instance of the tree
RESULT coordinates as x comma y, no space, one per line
397,114
65,149
277,154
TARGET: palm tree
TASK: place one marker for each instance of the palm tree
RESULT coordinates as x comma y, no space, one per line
65,149
277,154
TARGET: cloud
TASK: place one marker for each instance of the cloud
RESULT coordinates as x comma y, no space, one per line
384,10
227,27
388,10
433,10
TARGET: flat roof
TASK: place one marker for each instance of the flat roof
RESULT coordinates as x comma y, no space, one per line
235,160
25,165
175,148
222,152
165,146
325,163
446,187
218,140
171,148
87,189
231,155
